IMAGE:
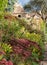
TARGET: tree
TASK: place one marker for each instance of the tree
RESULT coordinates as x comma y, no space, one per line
10,5
37,5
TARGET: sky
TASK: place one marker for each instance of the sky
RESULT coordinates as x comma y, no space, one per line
22,2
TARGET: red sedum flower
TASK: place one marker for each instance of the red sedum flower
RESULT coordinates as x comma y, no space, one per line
5,62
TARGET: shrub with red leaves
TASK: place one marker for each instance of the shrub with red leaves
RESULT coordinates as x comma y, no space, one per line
5,62
24,43
21,46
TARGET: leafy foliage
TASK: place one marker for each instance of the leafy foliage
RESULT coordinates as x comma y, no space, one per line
34,37
27,47
3,4
9,29
7,48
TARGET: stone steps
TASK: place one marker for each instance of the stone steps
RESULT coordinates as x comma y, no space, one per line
44,62
45,56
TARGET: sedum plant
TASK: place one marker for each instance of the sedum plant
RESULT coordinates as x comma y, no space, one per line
7,48
26,50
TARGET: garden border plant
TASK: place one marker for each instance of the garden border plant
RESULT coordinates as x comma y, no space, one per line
16,36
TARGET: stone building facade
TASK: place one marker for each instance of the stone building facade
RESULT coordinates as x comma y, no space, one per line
18,10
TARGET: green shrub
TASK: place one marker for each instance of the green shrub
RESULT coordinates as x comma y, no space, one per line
9,29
